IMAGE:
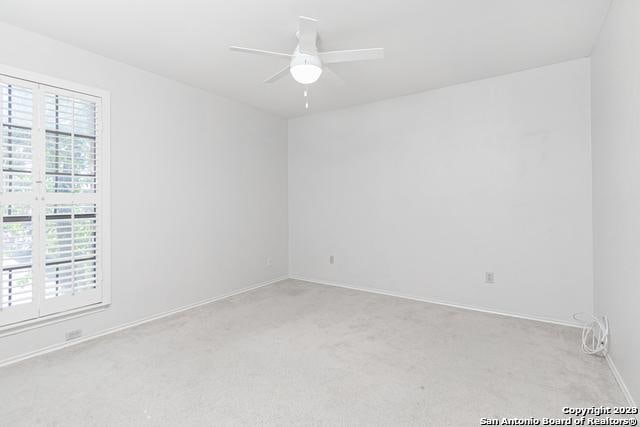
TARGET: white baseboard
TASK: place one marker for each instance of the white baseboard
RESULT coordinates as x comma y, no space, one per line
108,331
440,302
620,381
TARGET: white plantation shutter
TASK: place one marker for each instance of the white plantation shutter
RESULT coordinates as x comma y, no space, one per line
17,291
71,249
17,128
72,216
17,247
51,201
70,125
17,263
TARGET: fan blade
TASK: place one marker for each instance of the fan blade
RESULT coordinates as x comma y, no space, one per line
332,76
307,35
351,55
259,52
278,75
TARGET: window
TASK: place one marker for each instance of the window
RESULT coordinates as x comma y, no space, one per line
53,199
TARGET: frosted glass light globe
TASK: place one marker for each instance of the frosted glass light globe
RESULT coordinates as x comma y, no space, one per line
305,69
306,73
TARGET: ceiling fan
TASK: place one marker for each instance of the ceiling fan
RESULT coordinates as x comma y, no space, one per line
306,62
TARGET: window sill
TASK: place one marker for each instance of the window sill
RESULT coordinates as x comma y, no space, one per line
27,325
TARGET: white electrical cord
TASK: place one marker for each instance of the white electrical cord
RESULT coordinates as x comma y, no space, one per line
595,333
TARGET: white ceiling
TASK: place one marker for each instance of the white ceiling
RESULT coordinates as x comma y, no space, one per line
428,43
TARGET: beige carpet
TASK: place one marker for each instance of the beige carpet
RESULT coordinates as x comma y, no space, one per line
295,353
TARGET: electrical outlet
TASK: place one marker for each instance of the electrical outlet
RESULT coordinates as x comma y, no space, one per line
72,335
269,263
330,259
489,277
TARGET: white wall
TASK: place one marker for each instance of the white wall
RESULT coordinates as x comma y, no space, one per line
421,195
199,192
616,184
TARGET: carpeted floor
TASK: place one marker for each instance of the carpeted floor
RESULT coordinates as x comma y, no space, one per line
295,353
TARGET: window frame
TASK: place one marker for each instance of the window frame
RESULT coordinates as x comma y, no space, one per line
102,195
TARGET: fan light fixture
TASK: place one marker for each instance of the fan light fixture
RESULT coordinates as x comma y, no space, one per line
306,73
305,69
